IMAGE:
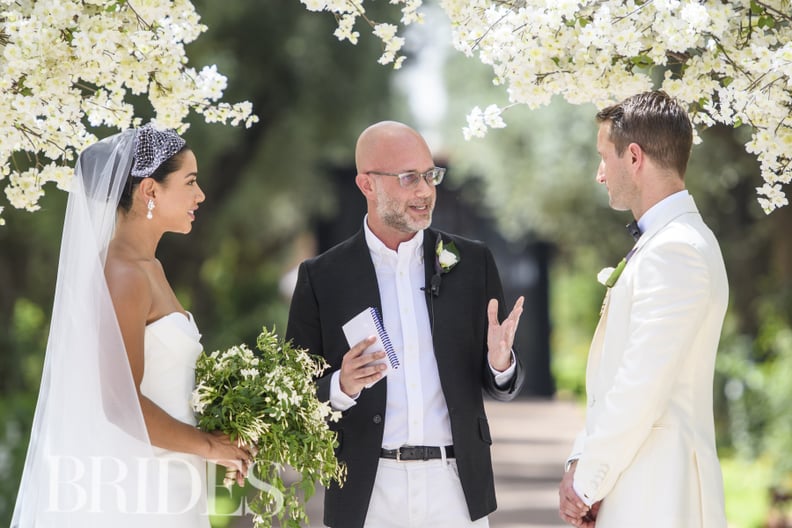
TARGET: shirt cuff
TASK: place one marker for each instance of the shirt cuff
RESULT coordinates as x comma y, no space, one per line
338,400
502,379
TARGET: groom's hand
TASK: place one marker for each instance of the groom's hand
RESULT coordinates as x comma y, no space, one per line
571,508
590,519
356,371
500,337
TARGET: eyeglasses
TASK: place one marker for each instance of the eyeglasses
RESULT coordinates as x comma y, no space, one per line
411,178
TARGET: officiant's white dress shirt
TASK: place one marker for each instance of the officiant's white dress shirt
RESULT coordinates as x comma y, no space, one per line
416,411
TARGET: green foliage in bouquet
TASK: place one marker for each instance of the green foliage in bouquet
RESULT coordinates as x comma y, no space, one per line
268,400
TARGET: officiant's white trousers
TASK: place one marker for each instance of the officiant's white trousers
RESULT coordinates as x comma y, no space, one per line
419,494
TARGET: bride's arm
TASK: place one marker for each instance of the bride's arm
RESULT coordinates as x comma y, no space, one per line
130,291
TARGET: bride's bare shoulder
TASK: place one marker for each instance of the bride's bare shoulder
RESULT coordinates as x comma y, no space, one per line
127,278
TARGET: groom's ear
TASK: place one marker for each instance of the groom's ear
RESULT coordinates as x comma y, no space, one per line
637,155
366,185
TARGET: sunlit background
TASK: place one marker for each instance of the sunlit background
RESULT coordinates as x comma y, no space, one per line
283,190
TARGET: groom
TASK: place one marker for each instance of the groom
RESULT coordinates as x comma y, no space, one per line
416,443
647,454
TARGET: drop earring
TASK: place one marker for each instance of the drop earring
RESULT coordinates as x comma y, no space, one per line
150,207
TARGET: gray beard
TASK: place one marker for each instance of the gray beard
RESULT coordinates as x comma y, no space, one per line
402,222
399,220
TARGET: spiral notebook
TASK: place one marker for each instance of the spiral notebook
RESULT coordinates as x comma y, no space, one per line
366,324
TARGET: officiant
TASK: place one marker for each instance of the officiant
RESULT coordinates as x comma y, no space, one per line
416,441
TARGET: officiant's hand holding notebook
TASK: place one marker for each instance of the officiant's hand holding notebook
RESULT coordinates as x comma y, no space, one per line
366,324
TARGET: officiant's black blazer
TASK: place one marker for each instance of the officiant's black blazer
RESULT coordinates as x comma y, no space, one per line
337,285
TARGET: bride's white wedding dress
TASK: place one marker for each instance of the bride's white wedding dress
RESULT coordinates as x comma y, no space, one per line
172,345
89,462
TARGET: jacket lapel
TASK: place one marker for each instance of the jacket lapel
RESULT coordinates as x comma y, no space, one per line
595,349
439,307
361,269
429,242
361,293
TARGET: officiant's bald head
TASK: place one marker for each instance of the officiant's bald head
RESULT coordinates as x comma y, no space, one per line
390,146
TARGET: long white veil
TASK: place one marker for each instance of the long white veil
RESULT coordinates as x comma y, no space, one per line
89,462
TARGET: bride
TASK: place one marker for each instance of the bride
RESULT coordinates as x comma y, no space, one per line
113,442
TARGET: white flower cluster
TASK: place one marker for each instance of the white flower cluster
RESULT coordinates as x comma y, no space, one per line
479,121
205,393
347,13
64,63
730,62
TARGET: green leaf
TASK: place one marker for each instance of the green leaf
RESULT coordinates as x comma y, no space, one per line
642,61
766,21
614,276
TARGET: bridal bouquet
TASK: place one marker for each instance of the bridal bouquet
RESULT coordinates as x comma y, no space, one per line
267,400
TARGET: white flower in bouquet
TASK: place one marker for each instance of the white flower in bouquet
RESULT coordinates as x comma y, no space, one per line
267,400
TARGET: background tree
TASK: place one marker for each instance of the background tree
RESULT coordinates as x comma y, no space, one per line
66,64
729,61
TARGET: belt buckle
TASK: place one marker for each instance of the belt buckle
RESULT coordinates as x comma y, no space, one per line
398,454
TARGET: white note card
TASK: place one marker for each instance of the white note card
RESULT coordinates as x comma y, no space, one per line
366,324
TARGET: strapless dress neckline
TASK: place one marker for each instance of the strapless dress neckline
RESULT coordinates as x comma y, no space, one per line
182,321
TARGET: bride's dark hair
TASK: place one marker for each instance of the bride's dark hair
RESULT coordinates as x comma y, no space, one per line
168,166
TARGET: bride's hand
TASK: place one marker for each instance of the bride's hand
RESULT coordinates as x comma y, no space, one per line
238,458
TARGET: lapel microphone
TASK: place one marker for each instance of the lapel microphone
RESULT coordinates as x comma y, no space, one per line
434,285
434,289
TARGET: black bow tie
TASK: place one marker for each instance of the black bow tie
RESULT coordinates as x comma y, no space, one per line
634,230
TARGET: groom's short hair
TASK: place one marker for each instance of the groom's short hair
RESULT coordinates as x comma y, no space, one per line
656,122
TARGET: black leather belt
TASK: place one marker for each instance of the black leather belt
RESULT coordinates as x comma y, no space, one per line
417,452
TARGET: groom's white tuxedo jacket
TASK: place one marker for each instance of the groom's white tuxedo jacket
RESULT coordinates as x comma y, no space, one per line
648,447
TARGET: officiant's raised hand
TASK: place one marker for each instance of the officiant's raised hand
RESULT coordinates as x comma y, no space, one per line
500,336
356,369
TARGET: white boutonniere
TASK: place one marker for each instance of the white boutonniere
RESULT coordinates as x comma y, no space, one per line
604,275
609,276
447,256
